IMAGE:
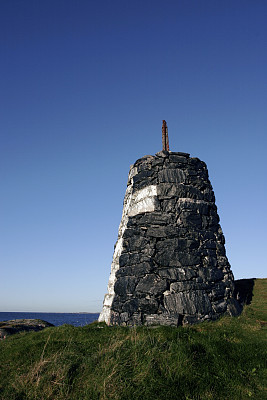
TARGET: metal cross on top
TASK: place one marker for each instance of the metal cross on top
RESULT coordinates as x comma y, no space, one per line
165,137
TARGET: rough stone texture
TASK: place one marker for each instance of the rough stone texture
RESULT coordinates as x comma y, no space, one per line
18,325
169,265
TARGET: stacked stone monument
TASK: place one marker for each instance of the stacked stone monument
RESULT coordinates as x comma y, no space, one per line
169,265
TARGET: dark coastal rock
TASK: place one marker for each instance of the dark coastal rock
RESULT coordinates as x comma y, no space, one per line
19,325
169,265
244,290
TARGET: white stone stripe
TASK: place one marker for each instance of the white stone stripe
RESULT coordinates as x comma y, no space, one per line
189,200
143,201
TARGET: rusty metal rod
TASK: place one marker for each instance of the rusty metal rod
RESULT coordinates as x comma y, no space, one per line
165,137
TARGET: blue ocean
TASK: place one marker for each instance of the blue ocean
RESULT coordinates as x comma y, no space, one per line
75,319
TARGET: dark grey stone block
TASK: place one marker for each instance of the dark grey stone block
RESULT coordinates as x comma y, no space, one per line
195,302
177,274
171,176
151,284
178,159
179,153
125,285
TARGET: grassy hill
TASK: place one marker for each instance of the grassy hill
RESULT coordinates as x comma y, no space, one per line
220,360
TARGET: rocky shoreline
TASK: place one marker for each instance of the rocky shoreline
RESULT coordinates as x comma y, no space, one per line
11,327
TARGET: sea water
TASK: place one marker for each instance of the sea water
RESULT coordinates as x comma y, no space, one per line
75,319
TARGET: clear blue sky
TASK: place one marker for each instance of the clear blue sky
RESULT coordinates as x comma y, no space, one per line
84,86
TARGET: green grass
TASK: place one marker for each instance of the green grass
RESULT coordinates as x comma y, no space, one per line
220,360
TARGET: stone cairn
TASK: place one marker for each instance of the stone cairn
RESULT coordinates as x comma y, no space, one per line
169,265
